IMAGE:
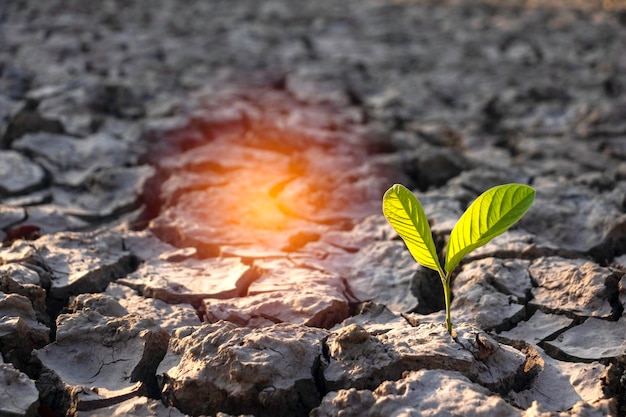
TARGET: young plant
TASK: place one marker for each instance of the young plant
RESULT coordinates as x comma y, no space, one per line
490,215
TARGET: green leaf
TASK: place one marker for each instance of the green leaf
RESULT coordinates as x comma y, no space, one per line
490,215
406,215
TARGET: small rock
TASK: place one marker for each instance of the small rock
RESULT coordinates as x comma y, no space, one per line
97,361
18,174
574,286
220,367
19,396
595,339
424,392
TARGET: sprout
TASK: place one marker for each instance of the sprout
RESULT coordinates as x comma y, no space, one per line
490,215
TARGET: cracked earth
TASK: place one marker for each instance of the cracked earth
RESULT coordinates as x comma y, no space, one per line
190,207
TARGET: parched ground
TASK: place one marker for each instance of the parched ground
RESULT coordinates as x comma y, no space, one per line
190,207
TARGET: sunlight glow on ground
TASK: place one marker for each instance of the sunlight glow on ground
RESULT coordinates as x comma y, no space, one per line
269,188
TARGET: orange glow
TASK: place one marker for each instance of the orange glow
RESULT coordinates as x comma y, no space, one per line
262,213
260,188
253,206
263,181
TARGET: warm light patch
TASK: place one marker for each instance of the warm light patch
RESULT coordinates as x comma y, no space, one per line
266,184
253,205
256,176
260,212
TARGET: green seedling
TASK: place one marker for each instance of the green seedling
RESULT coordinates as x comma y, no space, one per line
490,215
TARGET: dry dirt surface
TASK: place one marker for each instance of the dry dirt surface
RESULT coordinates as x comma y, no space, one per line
190,207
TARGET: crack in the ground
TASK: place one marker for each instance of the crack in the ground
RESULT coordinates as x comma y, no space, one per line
368,78
103,364
613,294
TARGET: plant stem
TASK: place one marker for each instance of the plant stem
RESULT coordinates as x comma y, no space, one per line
445,280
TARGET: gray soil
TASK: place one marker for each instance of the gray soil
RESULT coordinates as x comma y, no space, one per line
190,207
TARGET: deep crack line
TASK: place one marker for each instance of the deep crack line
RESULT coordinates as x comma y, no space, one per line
92,378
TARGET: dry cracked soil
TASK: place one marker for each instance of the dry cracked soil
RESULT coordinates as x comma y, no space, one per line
190,207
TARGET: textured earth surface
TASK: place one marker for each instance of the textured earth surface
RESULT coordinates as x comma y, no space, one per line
190,207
